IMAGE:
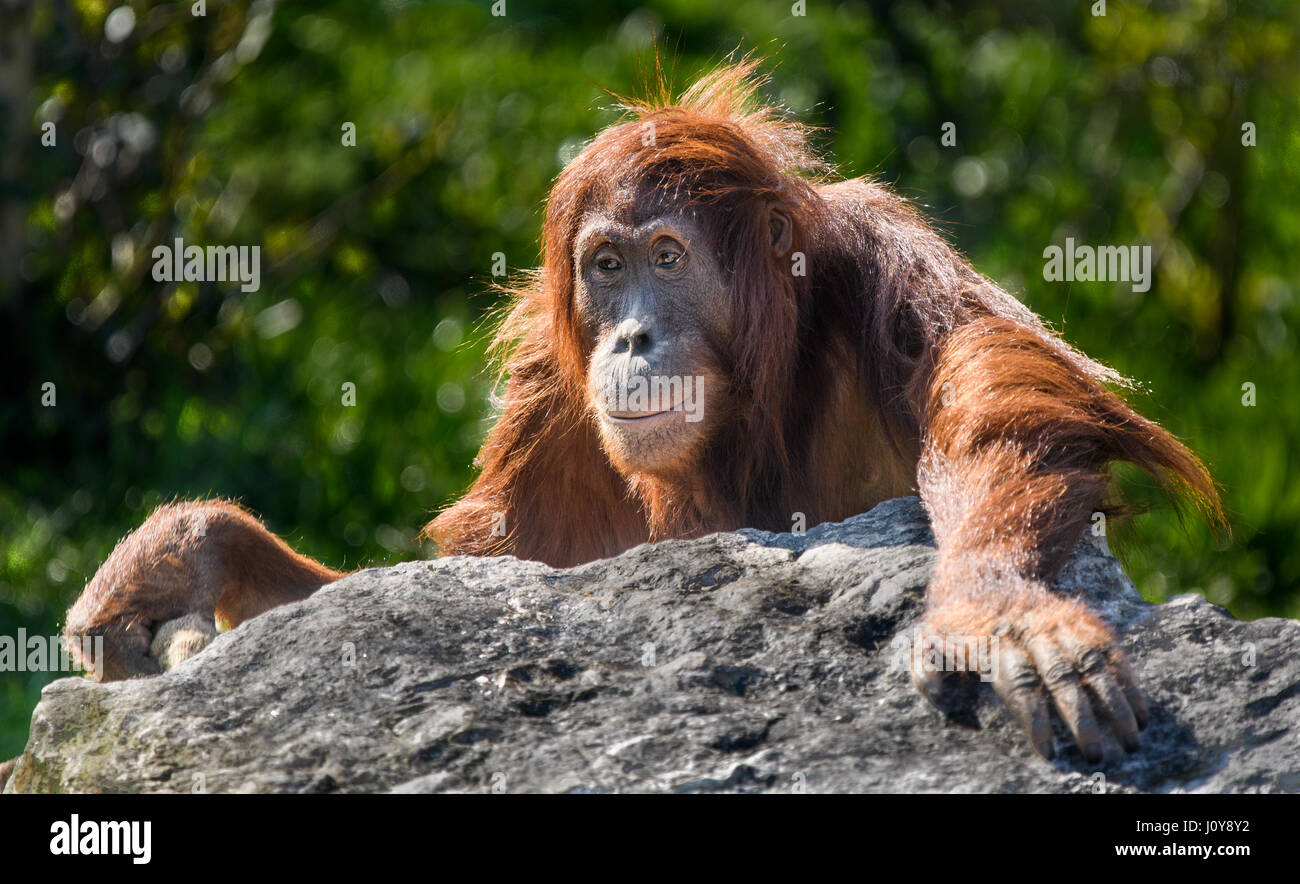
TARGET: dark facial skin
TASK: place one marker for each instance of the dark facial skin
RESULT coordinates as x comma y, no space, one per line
654,301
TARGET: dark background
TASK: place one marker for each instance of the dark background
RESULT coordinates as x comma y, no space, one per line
376,258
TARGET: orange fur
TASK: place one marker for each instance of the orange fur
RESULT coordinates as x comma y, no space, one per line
836,370
207,557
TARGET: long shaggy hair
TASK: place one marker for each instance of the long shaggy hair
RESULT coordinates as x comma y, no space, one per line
889,352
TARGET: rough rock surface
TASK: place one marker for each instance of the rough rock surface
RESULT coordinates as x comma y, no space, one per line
738,662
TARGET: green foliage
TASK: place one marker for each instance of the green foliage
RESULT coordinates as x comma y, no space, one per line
376,257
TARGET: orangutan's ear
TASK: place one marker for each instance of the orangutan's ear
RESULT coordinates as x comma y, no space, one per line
780,228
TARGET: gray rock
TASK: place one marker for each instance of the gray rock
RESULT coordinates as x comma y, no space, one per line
738,662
